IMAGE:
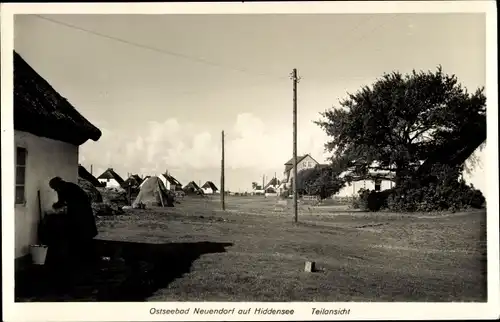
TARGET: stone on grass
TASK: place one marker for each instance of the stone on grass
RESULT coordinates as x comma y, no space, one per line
310,267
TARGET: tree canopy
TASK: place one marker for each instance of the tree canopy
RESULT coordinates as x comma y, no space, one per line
319,181
403,123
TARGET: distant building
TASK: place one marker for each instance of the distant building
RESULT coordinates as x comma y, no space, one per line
111,179
209,188
192,188
303,162
273,184
84,174
134,182
271,188
170,182
376,180
257,189
48,131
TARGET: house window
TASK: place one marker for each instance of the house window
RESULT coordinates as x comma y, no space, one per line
107,180
304,164
378,184
20,175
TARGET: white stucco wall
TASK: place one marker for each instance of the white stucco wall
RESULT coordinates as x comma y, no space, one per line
112,183
45,159
207,191
353,188
167,183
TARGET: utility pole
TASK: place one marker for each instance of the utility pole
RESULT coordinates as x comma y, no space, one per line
222,178
91,169
295,80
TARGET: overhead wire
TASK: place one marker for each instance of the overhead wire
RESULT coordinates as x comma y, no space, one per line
159,50
199,59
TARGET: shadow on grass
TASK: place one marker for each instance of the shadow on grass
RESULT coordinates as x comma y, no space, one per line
129,272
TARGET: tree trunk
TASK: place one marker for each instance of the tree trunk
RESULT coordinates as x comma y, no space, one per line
401,173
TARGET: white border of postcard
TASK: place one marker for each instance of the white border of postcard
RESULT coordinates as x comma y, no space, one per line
301,311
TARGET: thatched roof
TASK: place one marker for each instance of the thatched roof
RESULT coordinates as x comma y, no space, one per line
192,186
84,174
111,174
211,185
134,181
172,180
40,110
273,182
137,178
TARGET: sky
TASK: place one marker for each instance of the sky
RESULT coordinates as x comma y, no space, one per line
161,88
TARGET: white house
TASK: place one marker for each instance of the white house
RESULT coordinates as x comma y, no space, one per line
170,182
209,188
48,131
351,189
111,179
271,188
257,189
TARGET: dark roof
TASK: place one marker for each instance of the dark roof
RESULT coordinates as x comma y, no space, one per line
172,180
270,190
111,174
210,184
137,178
289,164
193,185
272,182
134,181
299,158
84,174
40,110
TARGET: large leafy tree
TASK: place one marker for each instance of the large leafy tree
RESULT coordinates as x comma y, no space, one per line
305,178
320,181
404,120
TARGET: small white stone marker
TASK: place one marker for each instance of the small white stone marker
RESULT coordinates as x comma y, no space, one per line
310,267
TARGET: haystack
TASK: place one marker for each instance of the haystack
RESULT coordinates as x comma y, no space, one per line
92,192
114,195
154,193
101,209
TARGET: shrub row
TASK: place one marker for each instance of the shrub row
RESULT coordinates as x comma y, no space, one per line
440,190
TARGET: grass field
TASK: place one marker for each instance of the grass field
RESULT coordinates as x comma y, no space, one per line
360,256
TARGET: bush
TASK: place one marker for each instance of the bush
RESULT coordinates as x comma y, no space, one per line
114,196
440,190
476,198
365,200
355,202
